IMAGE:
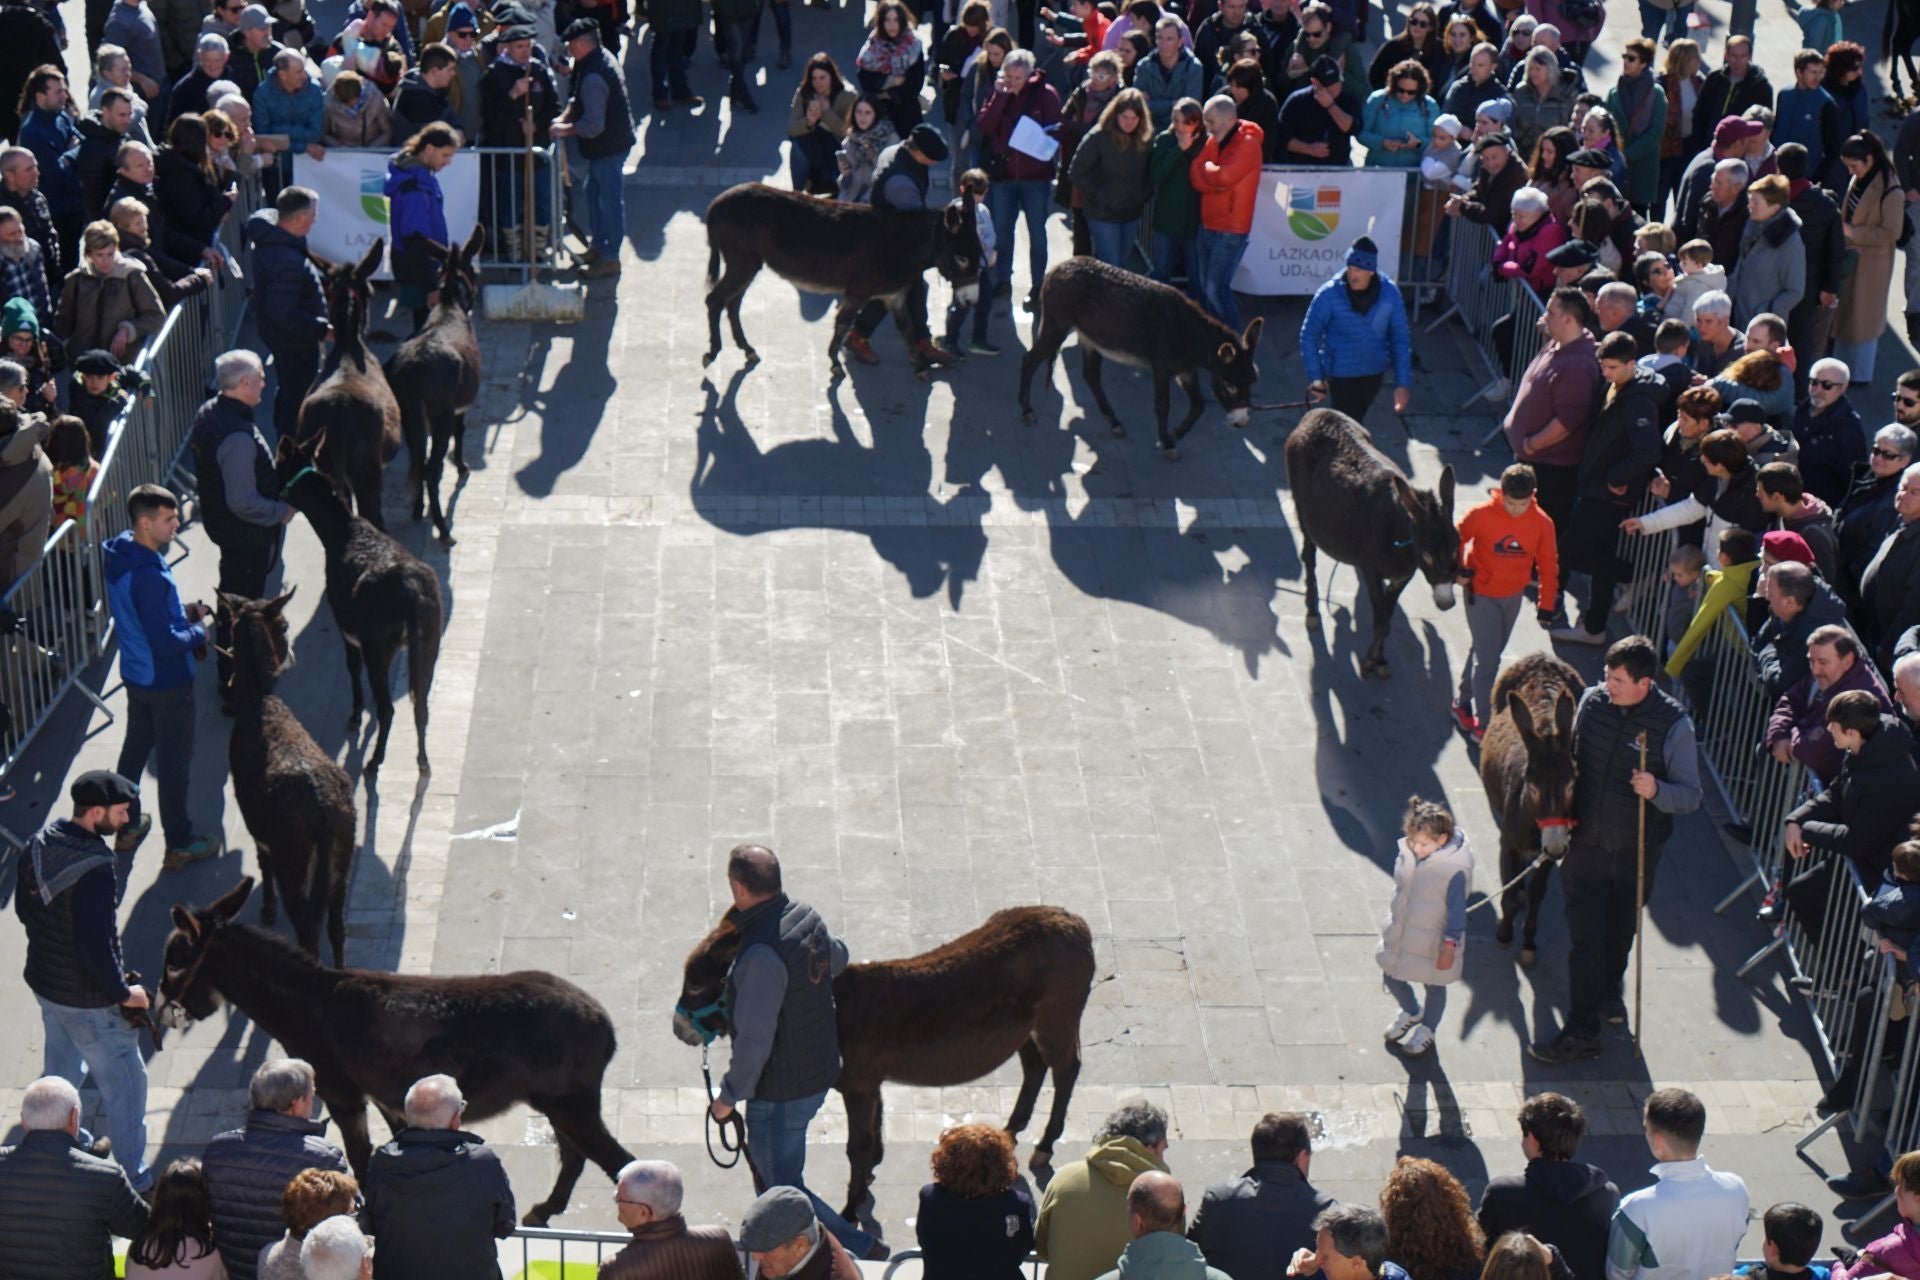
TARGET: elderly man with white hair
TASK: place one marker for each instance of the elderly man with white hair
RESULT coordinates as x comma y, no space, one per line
647,1199
1723,214
1832,440
1906,681
1617,306
248,1169
336,1249
239,492
437,1198
59,1205
189,97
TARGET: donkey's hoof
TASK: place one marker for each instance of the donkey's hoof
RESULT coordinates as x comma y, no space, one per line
1503,936
1171,453
1117,431
705,360
1529,955
462,470
536,1216
1026,416
753,357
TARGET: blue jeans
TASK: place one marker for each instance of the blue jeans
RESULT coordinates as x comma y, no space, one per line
1219,254
98,1044
1169,249
1410,1003
607,198
777,1138
1007,201
509,176
1858,357
1113,241
1666,25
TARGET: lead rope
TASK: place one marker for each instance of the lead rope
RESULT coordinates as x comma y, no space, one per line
1497,894
733,1130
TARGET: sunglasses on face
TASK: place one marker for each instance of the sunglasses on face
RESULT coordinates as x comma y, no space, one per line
1313,33
1906,402
1888,454
1419,24
1406,90
1824,384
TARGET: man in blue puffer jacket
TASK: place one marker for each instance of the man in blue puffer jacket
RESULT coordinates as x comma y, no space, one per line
248,1169
1355,326
158,638
289,305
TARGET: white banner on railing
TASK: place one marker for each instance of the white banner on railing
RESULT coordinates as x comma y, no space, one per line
353,202
1307,218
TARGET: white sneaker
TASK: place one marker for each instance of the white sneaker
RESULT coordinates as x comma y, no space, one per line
1418,1041
1398,1027
1627,596
1578,635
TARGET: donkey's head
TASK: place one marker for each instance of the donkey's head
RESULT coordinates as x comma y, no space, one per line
1550,770
186,995
702,1012
260,648
345,284
305,473
957,250
1233,371
459,278
1434,539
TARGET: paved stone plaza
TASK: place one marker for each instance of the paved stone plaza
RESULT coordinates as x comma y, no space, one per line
942,663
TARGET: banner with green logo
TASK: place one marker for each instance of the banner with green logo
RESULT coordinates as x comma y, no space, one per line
353,201
1306,219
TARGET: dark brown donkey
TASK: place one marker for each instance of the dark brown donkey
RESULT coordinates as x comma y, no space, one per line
350,415
435,375
507,1038
1017,984
297,802
1526,765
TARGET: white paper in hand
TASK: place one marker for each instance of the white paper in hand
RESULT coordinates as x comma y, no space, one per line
1029,139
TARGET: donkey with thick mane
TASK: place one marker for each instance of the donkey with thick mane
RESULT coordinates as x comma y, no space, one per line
1353,503
435,376
382,596
1527,768
507,1038
1017,984
350,416
1125,317
297,802
825,246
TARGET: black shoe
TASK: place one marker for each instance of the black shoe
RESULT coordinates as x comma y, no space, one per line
1614,1011
1566,1047
1032,302
1771,913
1860,1185
879,1253
1741,831
747,105
1838,1097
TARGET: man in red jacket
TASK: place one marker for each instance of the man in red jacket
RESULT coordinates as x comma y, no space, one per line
1502,542
1226,173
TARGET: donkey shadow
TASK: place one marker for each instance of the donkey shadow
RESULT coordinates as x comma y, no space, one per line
897,467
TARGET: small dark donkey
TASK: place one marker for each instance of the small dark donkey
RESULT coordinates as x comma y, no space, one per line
435,375
351,415
297,802
382,596
1527,767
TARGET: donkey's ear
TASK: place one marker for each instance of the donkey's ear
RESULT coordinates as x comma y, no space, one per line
437,251
279,602
1446,489
471,249
186,922
1251,338
1522,716
955,217
228,904
227,602
1227,353
1404,491
325,267
1563,716
370,263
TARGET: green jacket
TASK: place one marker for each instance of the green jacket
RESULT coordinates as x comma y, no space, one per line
1725,589
1082,1229
1164,1255
1642,150
1176,205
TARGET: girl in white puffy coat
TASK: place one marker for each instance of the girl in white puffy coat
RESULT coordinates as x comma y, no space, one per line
1424,937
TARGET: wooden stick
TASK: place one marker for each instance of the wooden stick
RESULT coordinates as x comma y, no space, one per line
1640,903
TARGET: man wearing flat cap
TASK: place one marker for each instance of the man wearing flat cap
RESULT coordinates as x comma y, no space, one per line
69,887
900,177
784,1241
514,78
599,122
1489,201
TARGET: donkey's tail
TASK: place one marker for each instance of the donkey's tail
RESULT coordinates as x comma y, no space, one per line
423,653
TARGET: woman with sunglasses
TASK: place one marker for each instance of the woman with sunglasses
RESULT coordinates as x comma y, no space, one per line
1397,121
1419,39
1638,105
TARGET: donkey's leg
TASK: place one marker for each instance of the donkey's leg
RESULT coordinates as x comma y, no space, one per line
443,422
572,1161
1309,557
379,673
736,282
1196,403
1162,405
725,293
366,492
413,429
1033,1073
1059,1042
1383,597
349,1108
1536,895
1091,362
865,1147
340,872
460,444
1047,338
354,665
844,314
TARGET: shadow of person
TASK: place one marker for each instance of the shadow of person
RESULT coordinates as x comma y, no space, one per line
878,490
572,406
1432,1123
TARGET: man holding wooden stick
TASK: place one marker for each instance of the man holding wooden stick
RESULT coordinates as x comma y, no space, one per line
1624,804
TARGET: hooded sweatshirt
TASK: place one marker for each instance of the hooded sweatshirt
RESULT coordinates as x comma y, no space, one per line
1501,550
1561,1202
1082,1229
157,642
1163,1255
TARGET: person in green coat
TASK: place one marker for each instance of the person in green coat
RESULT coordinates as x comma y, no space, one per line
1638,106
1176,205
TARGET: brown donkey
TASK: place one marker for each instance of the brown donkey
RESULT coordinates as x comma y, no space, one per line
350,416
435,375
1017,984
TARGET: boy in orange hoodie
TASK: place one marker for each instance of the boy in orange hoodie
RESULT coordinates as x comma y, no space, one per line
1503,541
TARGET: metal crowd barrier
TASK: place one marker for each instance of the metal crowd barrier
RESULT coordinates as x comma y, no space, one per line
548,1253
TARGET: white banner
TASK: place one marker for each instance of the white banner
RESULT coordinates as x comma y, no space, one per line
353,203
1307,218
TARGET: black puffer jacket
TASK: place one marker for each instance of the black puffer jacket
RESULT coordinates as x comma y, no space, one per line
1623,444
1866,810
60,1208
194,205
1249,1226
1562,1203
247,1174
436,1200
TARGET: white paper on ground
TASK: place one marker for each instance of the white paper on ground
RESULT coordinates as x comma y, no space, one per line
1029,139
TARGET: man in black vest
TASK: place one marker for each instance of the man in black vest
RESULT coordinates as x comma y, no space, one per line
239,491
601,122
66,900
786,1042
900,181
1602,868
